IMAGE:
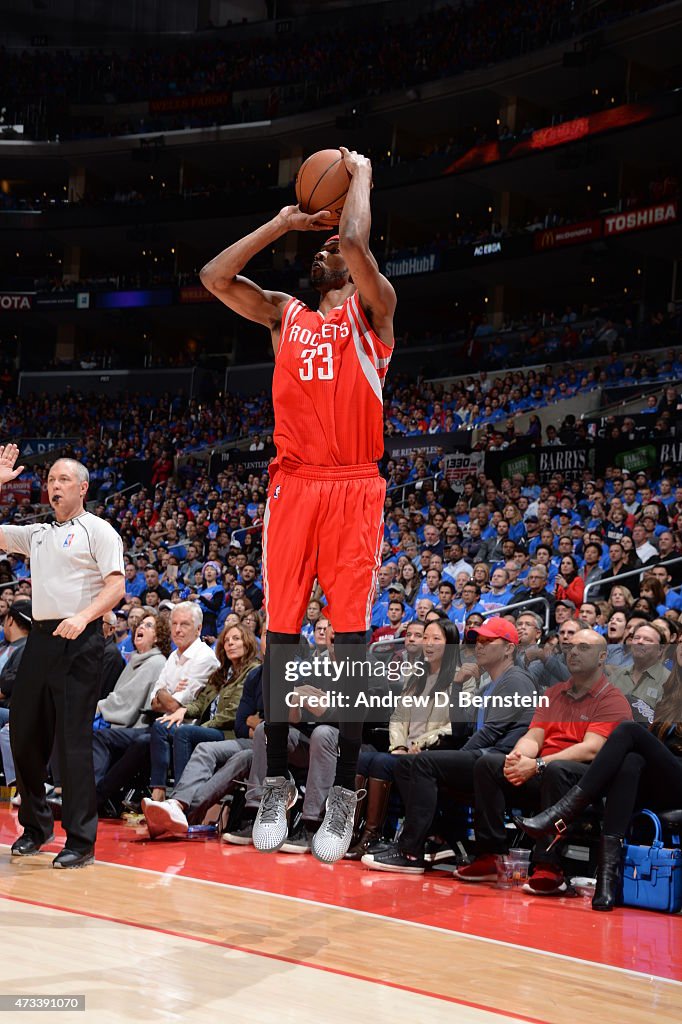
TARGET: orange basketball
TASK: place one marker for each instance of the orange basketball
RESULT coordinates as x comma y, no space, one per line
322,183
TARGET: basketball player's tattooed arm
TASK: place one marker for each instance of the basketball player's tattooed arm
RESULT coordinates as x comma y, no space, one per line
376,292
222,274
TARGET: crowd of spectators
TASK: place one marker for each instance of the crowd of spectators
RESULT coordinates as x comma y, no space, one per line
593,553
446,41
443,42
107,432
453,557
493,401
550,336
580,574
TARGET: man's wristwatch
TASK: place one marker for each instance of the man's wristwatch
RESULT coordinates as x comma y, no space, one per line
541,766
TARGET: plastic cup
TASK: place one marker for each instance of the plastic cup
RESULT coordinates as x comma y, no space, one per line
505,872
519,861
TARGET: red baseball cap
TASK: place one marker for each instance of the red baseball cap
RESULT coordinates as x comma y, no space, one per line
332,240
497,628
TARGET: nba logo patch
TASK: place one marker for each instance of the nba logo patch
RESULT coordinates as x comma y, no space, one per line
276,491
68,540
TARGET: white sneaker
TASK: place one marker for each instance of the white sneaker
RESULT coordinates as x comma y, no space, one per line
271,827
333,838
164,817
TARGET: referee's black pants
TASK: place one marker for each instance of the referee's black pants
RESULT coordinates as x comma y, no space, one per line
55,696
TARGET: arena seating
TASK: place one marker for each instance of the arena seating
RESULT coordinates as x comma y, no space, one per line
456,39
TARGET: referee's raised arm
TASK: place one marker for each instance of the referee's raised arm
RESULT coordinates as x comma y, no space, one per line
9,453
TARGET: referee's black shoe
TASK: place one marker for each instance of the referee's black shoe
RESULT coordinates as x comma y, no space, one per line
74,858
27,846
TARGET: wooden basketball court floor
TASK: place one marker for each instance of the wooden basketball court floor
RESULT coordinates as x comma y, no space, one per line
182,930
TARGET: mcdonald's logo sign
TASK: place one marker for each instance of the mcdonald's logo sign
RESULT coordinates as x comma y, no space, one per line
567,234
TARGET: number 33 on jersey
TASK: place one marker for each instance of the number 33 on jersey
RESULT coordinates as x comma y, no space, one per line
327,386
325,361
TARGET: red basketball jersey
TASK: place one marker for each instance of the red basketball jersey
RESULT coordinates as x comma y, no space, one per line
327,386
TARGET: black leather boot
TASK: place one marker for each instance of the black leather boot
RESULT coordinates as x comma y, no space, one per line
556,819
378,793
608,893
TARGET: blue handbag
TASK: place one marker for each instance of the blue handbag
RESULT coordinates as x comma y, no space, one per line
652,875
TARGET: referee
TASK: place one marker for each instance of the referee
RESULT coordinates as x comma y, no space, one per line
77,575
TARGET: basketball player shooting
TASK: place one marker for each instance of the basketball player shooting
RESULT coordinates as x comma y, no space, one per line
324,516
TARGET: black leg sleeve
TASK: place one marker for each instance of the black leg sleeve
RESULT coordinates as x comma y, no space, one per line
280,650
350,651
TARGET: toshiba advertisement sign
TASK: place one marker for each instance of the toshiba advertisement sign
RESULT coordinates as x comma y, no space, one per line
637,220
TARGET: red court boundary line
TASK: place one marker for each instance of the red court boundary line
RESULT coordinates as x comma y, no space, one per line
280,957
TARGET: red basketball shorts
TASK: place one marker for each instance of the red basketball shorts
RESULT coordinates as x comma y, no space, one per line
325,524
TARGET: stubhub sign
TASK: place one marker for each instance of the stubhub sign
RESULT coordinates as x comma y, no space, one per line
411,265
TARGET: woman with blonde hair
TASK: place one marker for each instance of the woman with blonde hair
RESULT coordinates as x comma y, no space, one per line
515,520
620,599
481,575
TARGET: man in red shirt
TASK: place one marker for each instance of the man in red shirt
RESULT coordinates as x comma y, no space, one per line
563,738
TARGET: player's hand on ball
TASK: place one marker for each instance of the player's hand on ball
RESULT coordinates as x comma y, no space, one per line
355,161
296,220
8,456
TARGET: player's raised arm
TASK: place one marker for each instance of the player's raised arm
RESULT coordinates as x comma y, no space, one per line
222,274
376,292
